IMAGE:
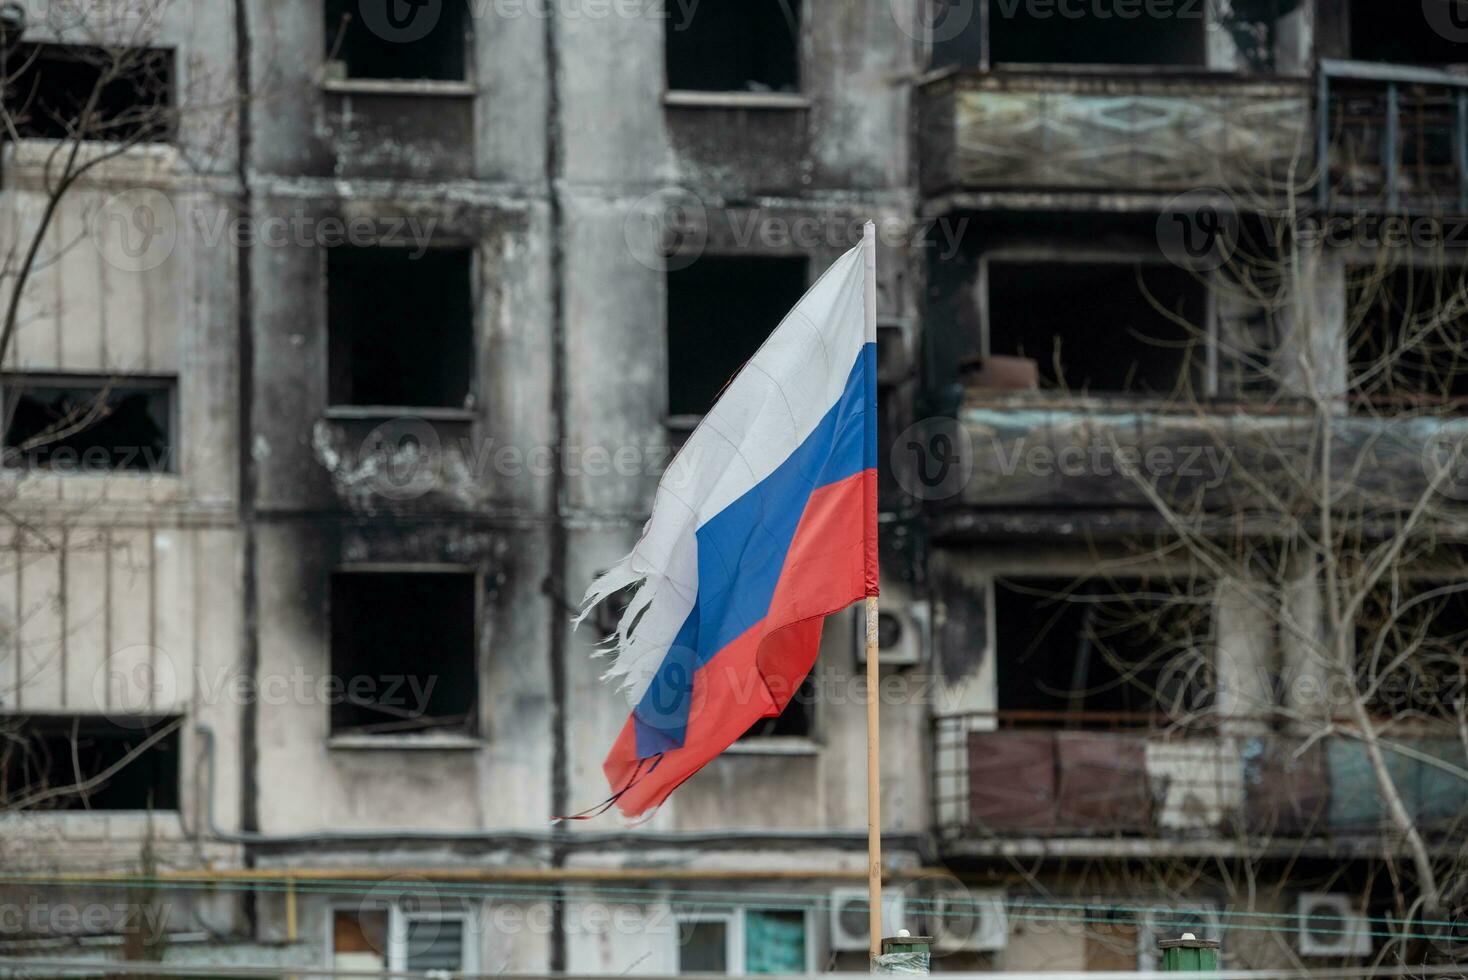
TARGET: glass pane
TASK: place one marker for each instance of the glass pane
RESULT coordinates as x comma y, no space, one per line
774,942
435,944
705,947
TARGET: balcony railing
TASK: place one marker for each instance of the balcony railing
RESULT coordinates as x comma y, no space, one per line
1154,133
998,777
1396,138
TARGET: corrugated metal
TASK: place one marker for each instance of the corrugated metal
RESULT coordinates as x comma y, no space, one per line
1102,782
1012,780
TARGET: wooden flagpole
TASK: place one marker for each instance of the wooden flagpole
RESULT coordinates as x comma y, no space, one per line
874,733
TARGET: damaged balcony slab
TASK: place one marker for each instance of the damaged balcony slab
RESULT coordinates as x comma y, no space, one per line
1108,134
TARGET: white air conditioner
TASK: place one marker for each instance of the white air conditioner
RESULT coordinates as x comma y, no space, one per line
904,629
1329,925
961,920
850,921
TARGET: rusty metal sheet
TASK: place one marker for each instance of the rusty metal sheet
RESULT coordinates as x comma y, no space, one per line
1102,782
1285,790
1011,780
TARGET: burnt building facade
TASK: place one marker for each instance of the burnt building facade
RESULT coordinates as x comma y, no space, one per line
397,324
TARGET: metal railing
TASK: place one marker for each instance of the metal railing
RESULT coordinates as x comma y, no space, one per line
1394,136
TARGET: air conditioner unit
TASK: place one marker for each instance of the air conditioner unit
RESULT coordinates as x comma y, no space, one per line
1329,925
961,920
850,923
904,629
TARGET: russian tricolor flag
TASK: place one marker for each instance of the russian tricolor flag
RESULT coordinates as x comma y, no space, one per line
768,527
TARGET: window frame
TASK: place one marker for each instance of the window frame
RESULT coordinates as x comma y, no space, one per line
987,63
345,83
395,957
735,98
733,920
1024,255
14,382
348,410
412,740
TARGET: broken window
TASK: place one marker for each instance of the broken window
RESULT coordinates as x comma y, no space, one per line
88,763
1097,327
1039,33
796,721
75,424
1115,648
734,46
403,653
130,91
390,39
720,310
1409,649
1386,32
1408,330
400,328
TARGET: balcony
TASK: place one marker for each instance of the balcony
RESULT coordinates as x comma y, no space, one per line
1396,138
1114,135
1009,777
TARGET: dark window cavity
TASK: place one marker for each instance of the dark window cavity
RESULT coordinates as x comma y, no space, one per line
1429,33
400,328
734,46
1096,327
77,762
796,721
720,310
1066,648
1408,337
1022,32
403,653
398,40
71,424
117,95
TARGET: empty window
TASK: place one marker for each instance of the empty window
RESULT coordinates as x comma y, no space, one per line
393,39
720,310
400,328
1097,327
734,46
703,946
1023,32
796,721
1409,650
130,91
1102,647
403,653
1408,337
71,424
88,763
1429,33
